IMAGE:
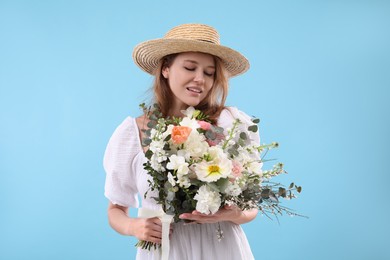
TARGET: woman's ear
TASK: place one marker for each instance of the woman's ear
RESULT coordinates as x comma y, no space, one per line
165,72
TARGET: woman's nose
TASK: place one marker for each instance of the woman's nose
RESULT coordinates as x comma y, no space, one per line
199,77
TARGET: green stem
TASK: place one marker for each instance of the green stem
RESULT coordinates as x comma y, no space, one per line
231,132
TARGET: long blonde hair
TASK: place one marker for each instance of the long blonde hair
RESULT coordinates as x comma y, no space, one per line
212,105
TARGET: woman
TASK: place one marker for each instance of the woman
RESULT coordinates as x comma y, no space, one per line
191,68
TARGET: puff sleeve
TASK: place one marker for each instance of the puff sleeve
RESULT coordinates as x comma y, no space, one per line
122,148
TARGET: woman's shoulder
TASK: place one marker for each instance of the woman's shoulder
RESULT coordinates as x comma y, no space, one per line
126,133
229,114
127,125
132,123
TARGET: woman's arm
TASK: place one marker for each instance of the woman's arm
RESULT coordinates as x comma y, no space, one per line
147,229
228,213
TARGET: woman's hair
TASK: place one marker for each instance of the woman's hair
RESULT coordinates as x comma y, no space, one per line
212,105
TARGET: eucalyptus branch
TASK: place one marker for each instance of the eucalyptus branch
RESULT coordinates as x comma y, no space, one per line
231,133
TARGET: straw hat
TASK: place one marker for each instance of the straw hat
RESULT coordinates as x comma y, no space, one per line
186,38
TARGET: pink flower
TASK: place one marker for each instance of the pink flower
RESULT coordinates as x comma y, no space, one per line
180,134
204,125
237,169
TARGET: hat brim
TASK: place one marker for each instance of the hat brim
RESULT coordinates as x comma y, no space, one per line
148,54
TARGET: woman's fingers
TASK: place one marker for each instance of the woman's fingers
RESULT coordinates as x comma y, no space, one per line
153,230
150,230
224,214
153,236
196,218
154,221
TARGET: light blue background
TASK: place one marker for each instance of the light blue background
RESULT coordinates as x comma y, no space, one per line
319,80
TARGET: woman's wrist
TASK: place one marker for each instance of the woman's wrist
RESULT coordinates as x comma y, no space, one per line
130,227
120,221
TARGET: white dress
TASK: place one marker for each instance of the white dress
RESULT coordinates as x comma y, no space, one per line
126,178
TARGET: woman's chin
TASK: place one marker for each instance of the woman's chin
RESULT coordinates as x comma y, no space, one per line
192,103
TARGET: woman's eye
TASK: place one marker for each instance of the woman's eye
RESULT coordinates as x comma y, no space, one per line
209,74
190,69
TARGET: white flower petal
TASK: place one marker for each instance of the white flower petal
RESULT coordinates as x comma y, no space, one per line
208,201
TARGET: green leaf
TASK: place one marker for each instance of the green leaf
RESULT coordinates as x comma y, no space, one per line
186,205
146,141
148,132
291,185
253,128
223,183
233,151
167,138
153,117
210,135
217,129
265,193
299,189
166,147
161,177
243,136
142,105
214,187
256,120
282,192
151,124
148,154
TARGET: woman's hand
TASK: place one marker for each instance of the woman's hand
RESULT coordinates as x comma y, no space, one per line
146,229
227,213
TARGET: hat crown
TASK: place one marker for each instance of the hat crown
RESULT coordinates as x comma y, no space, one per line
195,32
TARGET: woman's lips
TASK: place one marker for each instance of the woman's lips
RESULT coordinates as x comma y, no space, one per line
195,90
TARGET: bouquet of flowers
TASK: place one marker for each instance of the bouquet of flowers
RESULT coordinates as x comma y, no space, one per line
195,165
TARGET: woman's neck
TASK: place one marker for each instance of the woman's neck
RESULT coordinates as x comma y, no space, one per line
175,111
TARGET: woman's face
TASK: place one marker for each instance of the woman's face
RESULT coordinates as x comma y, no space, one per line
190,77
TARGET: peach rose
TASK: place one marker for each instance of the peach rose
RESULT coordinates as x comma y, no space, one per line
180,134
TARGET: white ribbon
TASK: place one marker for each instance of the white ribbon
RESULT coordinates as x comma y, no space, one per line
166,221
